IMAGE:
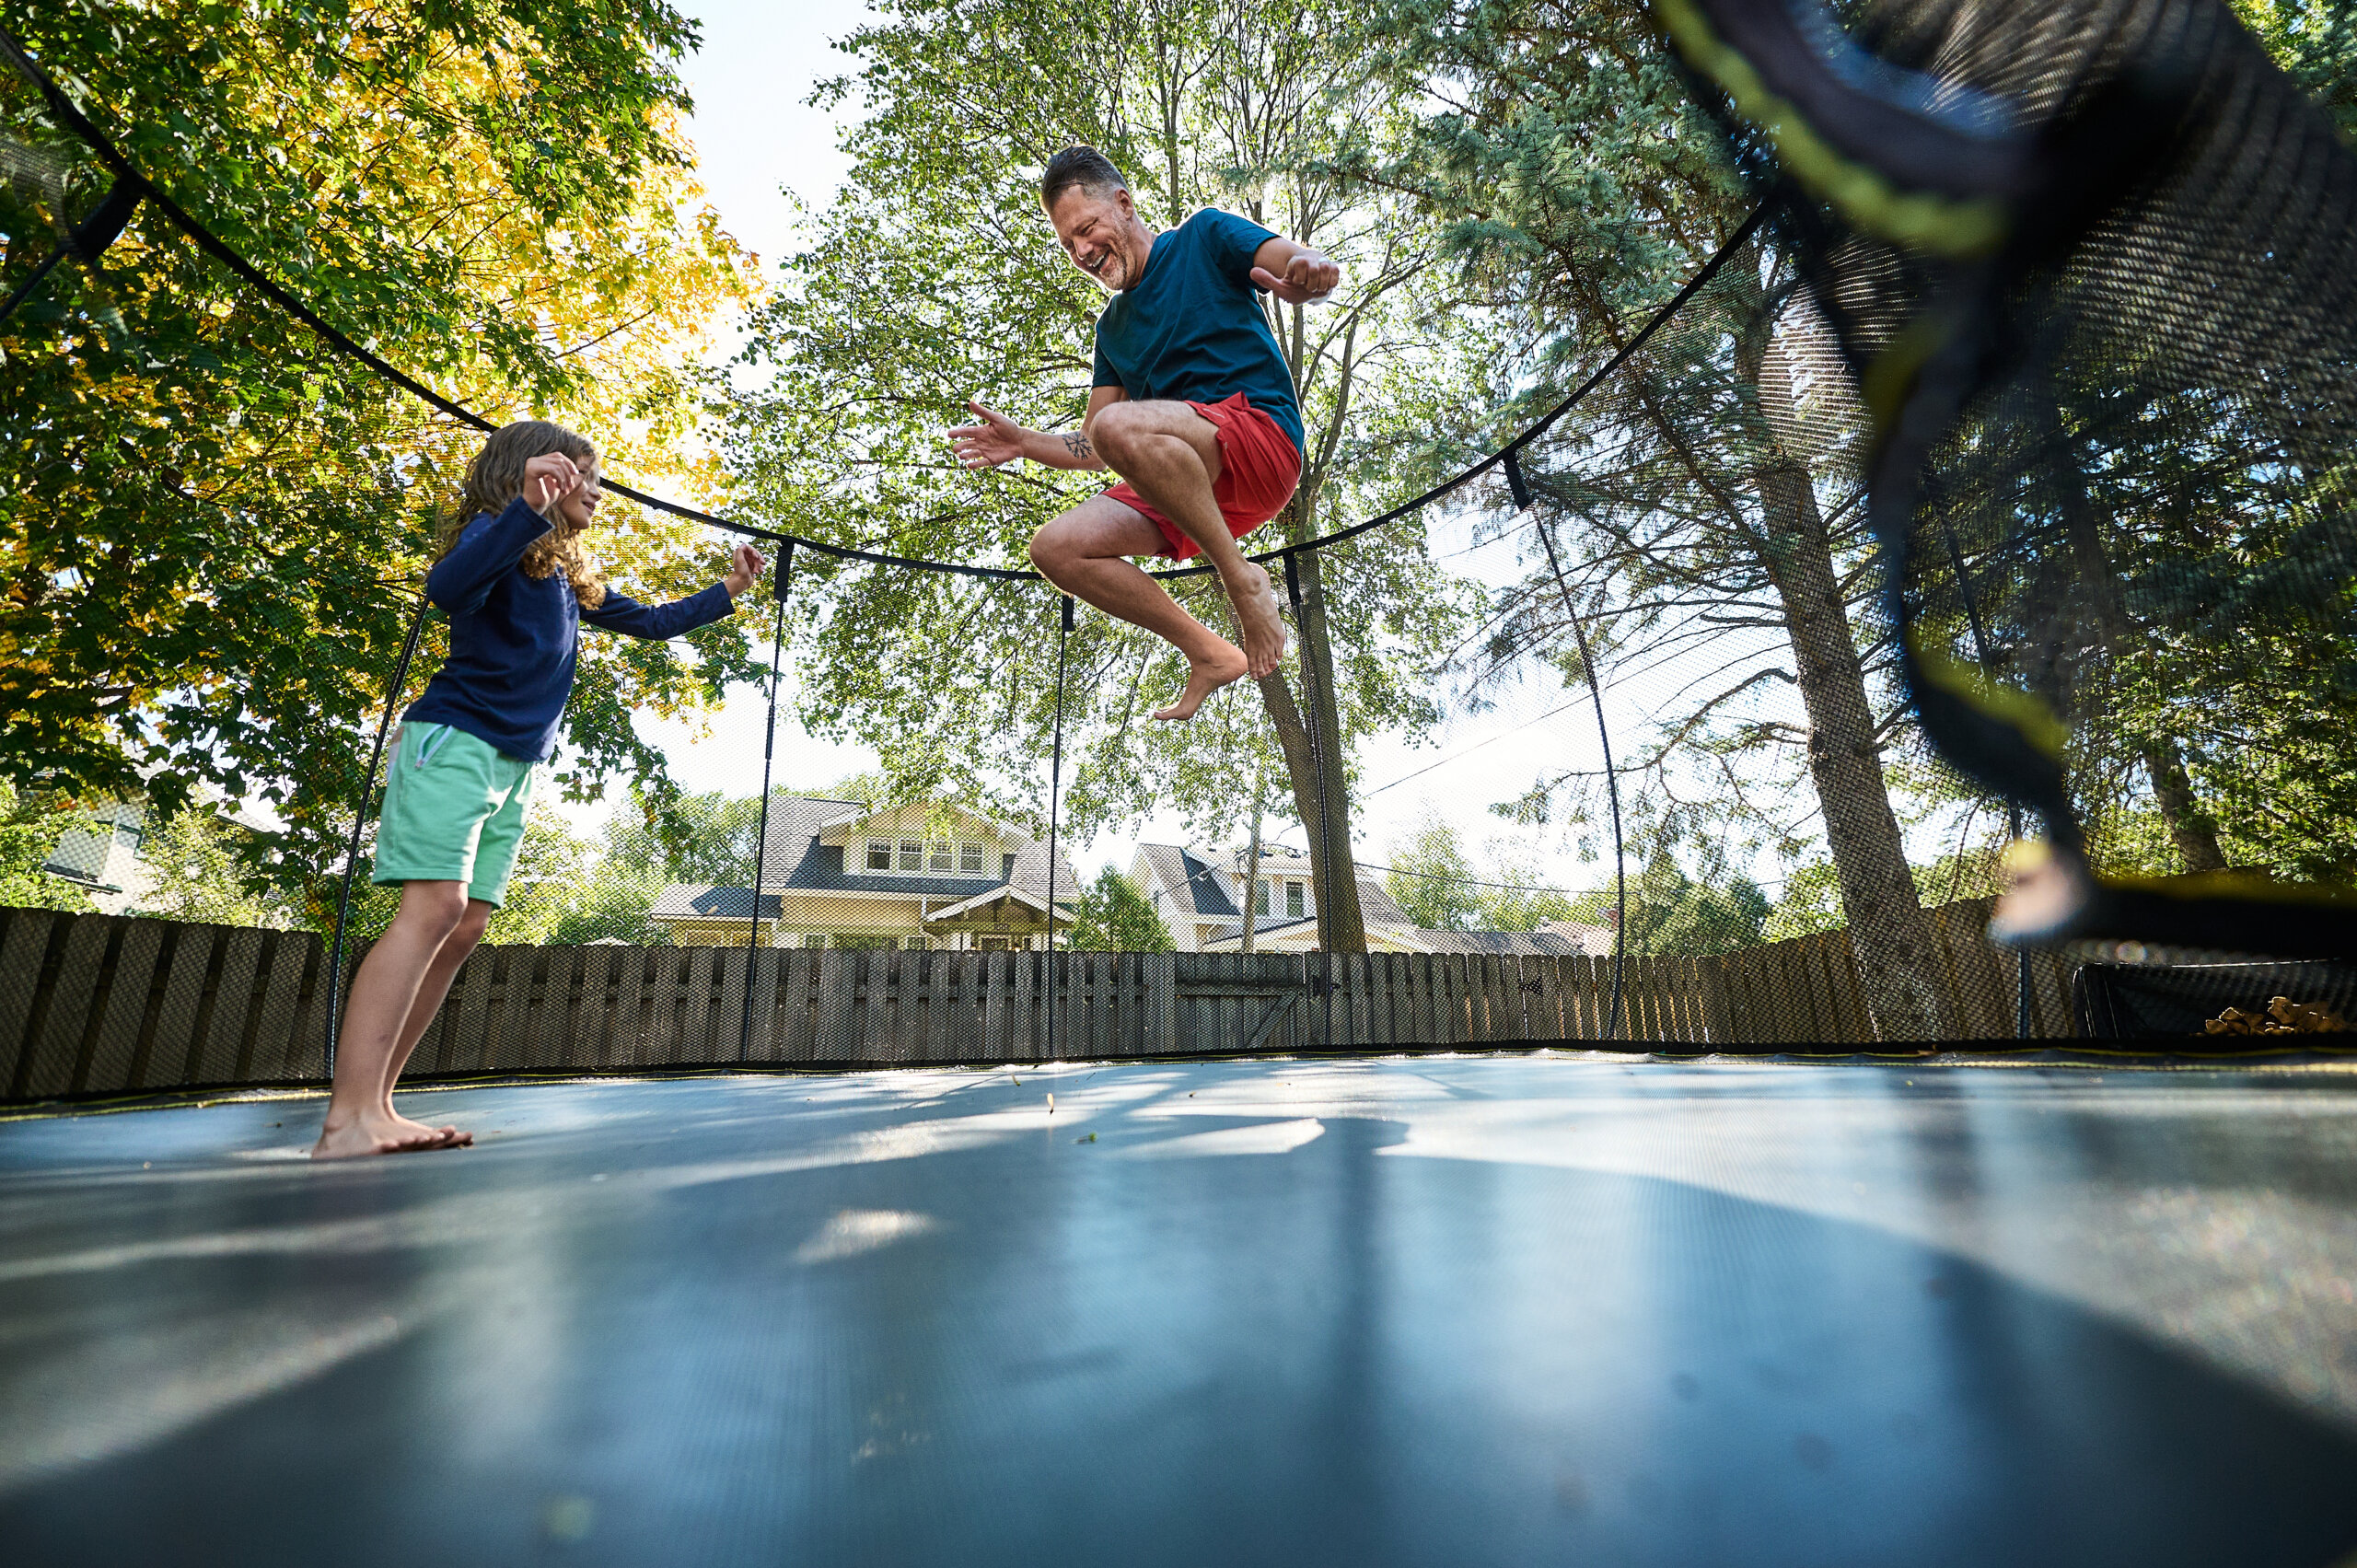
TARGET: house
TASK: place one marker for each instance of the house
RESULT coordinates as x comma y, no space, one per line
1199,894
102,856
837,874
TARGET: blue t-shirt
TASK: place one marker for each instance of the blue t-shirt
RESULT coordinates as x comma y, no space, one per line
1191,330
514,638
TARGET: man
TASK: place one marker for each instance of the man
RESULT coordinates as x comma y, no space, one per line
1192,405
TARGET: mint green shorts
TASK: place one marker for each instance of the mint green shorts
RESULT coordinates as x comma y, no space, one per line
454,812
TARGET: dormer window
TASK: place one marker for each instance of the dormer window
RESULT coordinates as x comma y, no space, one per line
912,855
880,854
969,859
942,857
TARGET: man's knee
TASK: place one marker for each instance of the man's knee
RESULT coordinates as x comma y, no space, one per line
1115,430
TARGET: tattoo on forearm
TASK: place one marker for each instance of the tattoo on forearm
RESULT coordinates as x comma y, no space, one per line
1079,447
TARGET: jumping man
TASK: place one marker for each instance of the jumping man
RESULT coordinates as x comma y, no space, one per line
1192,406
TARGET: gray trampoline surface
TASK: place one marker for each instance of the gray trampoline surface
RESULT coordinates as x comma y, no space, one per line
1448,1312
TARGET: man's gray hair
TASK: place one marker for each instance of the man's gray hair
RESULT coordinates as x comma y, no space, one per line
1083,167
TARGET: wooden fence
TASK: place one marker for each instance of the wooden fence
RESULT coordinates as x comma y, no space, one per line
98,1004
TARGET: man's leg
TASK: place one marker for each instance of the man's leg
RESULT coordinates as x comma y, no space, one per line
1170,456
357,1122
432,991
1084,552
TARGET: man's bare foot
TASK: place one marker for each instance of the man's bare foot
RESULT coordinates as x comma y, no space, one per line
377,1135
1256,615
1203,678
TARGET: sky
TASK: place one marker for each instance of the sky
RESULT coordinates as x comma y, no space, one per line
755,139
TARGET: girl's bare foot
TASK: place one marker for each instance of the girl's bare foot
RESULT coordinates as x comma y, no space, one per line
442,1136
376,1136
1255,614
1206,676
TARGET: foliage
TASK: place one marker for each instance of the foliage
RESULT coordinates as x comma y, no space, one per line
1437,883
210,528
198,866
1115,916
934,278
30,825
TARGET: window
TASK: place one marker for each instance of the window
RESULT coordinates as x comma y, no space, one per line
1268,892
880,854
942,857
1292,899
916,944
969,859
814,939
993,944
912,855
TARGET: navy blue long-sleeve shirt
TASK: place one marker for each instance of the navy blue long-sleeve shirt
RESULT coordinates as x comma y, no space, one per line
514,639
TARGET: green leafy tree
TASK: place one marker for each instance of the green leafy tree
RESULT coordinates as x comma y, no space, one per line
30,825
212,531
932,278
200,868
1114,916
1433,879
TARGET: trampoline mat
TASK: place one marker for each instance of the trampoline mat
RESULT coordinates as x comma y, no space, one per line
1444,1310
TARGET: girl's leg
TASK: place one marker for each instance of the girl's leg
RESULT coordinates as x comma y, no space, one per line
432,991
358,1121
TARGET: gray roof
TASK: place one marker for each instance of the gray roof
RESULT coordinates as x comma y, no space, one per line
794,859
702,900
1188,879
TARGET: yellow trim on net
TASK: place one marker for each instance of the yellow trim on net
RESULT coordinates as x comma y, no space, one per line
2018,711
1962,230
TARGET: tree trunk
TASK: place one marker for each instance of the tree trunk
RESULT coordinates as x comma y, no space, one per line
1898,966
1337,921
1341,925
2192,829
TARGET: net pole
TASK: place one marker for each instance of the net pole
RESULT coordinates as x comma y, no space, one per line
1324,869
359,822
1519,484
1055,785
780,587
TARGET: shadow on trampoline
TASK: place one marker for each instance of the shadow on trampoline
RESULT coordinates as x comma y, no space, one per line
1463,1310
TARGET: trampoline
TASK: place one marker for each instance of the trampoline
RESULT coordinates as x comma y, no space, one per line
1462,1309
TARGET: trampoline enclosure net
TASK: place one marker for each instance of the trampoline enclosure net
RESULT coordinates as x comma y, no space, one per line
1621,739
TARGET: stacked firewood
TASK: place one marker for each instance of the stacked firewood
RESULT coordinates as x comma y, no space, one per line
2283,1016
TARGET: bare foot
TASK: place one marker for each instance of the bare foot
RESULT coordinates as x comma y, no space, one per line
441,1137
1203,678
376,1136
1256,613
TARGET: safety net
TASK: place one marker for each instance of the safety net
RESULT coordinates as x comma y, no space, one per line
1985,486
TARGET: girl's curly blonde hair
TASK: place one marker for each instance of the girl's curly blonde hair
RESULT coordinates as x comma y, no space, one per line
496,477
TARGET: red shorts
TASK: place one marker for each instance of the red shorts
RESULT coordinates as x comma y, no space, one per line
1258,471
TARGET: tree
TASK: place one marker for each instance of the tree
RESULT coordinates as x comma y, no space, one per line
1432,879
200,868
31,826
1115,916
211,530
931,279
1701,500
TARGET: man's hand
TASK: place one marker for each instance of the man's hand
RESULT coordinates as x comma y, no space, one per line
997,440
1310,276
549,479
745,564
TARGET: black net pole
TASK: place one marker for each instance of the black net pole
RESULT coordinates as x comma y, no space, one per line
1055,785
781,586
1327,868
1520,484
360,822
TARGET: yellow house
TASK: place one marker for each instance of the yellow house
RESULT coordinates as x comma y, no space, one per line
838,875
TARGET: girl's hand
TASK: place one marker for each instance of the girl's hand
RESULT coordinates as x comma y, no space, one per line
549,479
745,564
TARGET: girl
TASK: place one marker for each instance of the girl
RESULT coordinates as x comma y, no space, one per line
516,584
